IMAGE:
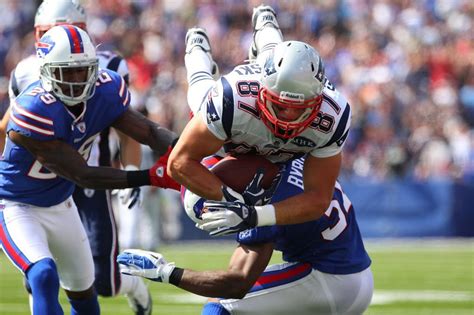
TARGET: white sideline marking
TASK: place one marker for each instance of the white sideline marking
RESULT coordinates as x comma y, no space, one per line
380,297
389,296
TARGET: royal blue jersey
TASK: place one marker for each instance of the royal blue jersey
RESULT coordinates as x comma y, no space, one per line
332,244
41,116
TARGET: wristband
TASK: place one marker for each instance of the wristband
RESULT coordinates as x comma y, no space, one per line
138,178
175,276
265,215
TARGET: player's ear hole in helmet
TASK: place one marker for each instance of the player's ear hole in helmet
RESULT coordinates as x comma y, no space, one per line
58,12
68,64
292,85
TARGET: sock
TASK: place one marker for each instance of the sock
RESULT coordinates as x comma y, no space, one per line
88,306
265,40
44,282
134,287
199,76
213,308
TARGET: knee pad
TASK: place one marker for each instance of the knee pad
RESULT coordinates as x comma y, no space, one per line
43,275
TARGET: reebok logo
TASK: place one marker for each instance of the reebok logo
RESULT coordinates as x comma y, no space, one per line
160,171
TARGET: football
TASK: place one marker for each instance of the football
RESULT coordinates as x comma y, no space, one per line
237,171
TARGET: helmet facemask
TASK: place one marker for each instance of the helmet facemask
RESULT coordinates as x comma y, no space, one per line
73,83
293,81
271,104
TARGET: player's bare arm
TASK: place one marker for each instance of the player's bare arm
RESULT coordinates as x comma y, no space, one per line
246,264
130,152
195,143
135,125
320,176
62,159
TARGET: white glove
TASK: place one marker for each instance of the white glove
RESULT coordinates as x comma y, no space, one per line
131,196
145,264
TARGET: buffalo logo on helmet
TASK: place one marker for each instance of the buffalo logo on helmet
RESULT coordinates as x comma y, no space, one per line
44,46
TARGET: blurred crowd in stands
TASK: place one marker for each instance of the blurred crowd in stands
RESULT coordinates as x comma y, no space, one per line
407,67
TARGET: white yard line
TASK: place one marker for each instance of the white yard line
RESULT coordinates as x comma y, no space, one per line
380,297
389,296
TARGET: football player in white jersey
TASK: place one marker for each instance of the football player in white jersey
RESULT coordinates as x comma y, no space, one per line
281,106
326,268
95,206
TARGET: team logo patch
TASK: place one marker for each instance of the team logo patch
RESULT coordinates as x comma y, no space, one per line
303,142
269,66
211,112
160,171
44,47
81,127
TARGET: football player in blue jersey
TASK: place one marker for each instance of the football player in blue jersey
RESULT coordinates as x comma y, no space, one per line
95,206
53,125
326,269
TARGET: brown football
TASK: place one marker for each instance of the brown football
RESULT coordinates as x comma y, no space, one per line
237,171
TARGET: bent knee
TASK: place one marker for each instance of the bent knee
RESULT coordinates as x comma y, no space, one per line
43,274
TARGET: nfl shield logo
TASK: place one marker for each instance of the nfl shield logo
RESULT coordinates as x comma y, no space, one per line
81,127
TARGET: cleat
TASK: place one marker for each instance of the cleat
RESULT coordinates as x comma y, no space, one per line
263,16
137,307
196,37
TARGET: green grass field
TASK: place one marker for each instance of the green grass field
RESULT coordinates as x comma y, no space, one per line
411,277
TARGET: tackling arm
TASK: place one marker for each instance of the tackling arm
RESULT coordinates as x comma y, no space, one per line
246,265
130,151
195,143
320,175
65,161
133,124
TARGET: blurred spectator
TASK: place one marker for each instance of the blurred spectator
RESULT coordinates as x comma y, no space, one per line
406,67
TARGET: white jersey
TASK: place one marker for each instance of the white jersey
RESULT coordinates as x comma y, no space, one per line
231,114
28,71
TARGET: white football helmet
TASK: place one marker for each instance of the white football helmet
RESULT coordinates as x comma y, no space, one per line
292,78
68,64
57,12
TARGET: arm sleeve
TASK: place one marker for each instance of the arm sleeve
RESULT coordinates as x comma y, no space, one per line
217,110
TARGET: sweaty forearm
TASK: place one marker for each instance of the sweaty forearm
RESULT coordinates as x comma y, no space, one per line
223,284
159,139
107,178
301,208
197,178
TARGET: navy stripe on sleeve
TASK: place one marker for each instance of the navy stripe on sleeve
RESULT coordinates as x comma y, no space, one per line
340,133
227,108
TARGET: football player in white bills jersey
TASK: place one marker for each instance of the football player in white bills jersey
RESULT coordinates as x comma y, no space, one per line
95,206
282,107
53,124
